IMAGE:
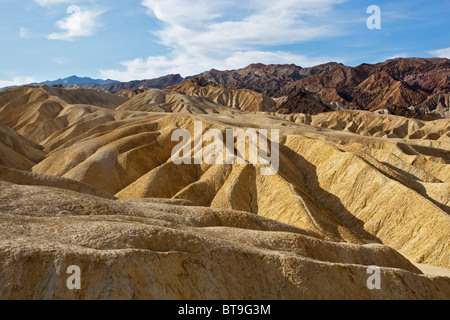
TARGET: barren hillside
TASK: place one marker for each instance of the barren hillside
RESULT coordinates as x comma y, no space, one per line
87,178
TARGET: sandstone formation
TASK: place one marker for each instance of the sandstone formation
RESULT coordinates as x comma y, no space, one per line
155,100
17,151
153,249
87,179
25,178
380,125
240,99
130,93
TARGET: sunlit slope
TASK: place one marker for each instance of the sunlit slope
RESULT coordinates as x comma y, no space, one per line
153,249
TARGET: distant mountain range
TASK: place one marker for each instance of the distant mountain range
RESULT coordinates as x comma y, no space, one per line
158,83
74,80
268,79
413,87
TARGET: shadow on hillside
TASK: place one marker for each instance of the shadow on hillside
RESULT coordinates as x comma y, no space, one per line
418,187
330,202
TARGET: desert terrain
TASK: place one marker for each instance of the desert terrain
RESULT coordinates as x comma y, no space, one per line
87,178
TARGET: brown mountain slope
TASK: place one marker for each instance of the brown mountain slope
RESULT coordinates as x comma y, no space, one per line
438,104
341,78
302,102
429,75
401,82
268,79
381,90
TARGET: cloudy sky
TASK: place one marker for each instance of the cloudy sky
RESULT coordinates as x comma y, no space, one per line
140,39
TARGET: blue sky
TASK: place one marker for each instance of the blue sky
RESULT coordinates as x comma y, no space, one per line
137,39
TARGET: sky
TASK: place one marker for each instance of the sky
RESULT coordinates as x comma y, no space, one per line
143,39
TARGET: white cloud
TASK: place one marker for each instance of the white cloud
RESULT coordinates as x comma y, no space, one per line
182,13
204,24
185,64
79,23
206,33
441,53
16,81
24,33
47,3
